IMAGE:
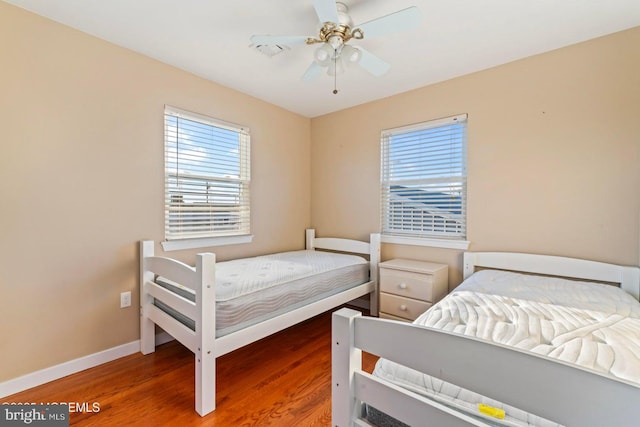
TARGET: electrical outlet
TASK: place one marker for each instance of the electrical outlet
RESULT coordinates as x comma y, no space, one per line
125,299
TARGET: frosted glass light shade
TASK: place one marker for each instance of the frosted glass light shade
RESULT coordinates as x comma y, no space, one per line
324,55
350,54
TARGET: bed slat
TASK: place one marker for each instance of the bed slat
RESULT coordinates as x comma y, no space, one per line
175,301
410,408
343,245
176,329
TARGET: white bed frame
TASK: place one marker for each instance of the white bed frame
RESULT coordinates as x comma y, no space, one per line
201,278
560,392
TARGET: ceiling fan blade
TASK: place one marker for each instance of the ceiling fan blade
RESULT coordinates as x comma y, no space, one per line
278,40
312,72
326,10
402,20
372,63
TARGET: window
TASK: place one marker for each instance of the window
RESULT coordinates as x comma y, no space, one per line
424,181
206,177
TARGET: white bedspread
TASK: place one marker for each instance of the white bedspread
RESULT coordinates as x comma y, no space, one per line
592,325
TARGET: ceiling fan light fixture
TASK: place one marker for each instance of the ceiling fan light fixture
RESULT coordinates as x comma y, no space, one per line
336,31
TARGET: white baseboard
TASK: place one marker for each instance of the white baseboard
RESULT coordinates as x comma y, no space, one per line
52,373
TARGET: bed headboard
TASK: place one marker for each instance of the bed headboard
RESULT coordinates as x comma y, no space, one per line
627,277
371,248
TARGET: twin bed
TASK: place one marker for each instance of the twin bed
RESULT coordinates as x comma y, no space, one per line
252,297
515,344
525,340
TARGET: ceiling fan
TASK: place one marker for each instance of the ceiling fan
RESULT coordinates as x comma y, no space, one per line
337,30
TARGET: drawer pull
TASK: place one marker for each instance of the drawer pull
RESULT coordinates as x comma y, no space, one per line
402,286
403,307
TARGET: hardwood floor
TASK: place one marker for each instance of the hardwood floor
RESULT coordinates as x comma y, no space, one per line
282,380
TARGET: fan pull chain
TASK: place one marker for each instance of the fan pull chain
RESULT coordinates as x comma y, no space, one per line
335,71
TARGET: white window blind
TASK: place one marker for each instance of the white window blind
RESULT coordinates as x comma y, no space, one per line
424,179
207,176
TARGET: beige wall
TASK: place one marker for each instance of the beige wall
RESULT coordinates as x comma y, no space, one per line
81,181
553,155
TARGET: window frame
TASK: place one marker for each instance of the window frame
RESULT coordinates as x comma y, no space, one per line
443,239
185,239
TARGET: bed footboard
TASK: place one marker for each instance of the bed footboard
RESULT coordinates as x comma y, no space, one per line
199,279
548,388
147,327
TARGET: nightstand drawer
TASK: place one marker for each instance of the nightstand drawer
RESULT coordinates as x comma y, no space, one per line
406,308
390,317
407,284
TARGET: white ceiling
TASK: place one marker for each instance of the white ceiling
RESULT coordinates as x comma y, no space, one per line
456,37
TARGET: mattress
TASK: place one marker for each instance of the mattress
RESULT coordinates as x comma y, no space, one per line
592,325
251,290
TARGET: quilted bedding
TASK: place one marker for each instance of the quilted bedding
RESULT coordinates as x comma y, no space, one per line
592,325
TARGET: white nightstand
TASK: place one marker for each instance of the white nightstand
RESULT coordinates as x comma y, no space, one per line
408,287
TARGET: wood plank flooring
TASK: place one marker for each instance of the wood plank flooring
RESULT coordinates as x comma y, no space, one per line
282,380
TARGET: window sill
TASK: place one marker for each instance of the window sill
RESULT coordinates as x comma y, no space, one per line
176,245
424,241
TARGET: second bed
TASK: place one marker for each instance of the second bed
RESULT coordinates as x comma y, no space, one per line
501,347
